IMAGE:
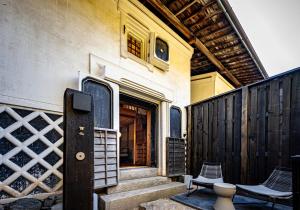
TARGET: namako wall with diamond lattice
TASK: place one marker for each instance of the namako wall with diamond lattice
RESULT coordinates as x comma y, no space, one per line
31,144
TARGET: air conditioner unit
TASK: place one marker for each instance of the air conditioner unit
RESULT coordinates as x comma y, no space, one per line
159,55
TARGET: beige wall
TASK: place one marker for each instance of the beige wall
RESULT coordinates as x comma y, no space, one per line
207,85
45,43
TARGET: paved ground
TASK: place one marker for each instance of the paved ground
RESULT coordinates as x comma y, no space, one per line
163,204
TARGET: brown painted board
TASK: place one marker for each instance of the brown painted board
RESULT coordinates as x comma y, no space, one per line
285,129
214,140
210,131
237,113
261,132
199,154
273,127
295,115
189,139
221,131
253,136
229,137
245,129
205,132
78,179
194,144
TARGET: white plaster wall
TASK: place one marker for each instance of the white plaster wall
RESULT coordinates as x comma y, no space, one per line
44,43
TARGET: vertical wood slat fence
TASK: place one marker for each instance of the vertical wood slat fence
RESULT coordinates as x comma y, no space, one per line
250,130
175,157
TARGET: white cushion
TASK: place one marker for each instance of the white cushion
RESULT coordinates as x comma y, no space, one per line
260,189
201,179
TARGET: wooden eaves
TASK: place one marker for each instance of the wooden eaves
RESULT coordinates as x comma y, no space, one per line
219,40
193,39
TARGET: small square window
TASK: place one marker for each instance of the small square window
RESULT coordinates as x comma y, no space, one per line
162,49
134,46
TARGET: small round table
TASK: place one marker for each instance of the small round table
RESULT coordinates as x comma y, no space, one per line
225,192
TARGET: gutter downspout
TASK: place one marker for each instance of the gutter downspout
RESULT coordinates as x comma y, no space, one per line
229,13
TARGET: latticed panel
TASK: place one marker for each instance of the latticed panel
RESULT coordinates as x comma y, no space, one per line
175,157
105,158
30,151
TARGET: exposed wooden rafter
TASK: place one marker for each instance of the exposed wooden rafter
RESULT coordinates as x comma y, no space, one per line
185,7
201,10
158,5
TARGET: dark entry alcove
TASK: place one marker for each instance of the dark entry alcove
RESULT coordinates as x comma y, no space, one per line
138,132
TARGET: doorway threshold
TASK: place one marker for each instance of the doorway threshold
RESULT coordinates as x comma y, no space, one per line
137,172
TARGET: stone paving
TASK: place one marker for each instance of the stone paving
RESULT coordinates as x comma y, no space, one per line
163,204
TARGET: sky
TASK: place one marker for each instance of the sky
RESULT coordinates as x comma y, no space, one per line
273,28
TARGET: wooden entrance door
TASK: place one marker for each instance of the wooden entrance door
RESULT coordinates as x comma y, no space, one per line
135,141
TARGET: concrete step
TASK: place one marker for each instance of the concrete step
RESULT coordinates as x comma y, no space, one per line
132,199
134,184
136,173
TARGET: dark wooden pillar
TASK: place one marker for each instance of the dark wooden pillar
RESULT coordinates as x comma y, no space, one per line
296,182
244,135
78,151
189,139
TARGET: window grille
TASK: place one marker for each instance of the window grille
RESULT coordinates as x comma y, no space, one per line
134,45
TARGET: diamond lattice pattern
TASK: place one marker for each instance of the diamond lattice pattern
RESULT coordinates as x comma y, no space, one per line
30,151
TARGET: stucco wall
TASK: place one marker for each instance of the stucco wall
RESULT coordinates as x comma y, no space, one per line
208,85
45,43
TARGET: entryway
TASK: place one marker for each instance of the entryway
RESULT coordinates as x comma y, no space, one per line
137,128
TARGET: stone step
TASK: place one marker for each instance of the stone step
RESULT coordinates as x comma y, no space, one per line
132,199
134,184
136,173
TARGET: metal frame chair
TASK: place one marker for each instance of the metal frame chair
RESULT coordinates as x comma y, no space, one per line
277,187
210,173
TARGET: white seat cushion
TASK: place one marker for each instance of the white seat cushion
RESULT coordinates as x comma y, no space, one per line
201,179
260,189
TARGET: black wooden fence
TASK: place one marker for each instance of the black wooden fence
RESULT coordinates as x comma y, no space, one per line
250,130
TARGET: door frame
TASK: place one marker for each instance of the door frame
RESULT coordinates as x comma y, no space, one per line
125,86
151,128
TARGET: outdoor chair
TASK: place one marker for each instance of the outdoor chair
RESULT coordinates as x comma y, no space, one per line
210,173
277,187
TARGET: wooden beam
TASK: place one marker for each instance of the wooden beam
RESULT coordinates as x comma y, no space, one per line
217,33
206,18
186,7
239,65
231,54
157,4
201,10
229,60
207,30
195,67
244,68
226,37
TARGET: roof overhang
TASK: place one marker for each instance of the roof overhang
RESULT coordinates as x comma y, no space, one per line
213,29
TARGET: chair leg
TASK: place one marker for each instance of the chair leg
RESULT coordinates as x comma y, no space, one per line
189,191
273,204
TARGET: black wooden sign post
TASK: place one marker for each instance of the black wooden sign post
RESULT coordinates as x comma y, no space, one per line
78,151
